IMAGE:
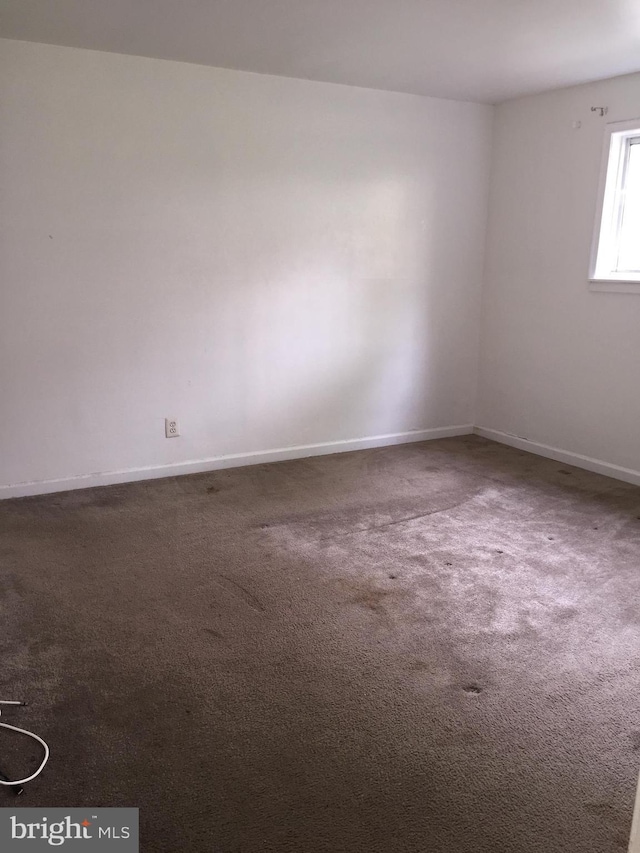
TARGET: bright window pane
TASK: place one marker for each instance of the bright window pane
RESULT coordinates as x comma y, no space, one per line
629,234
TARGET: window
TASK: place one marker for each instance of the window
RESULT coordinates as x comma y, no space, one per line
616,249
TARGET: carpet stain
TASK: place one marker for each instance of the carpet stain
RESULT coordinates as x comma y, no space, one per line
213,633
418,666
566,613
365,594
387,524
603,809
371,599
240,592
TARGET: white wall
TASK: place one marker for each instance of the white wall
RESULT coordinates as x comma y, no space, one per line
274,262
560,364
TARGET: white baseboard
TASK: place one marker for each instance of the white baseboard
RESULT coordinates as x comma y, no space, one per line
628,475
235,460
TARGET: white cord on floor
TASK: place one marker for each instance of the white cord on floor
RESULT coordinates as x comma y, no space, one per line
28,734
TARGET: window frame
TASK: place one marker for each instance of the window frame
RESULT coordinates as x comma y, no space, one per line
602,276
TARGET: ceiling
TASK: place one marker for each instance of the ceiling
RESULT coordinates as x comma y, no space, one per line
477,50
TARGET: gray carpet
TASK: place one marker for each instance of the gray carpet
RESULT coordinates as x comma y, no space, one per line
426,648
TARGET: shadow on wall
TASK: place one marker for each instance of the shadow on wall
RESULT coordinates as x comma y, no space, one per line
330,341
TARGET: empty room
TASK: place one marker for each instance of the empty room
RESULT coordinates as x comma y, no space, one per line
320,426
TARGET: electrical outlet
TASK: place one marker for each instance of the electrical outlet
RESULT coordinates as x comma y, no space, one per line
171,428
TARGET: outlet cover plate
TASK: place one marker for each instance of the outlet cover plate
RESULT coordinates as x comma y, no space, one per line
171,428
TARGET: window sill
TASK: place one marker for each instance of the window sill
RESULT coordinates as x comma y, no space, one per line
614,285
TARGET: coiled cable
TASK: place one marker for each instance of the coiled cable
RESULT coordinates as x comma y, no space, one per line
35,737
